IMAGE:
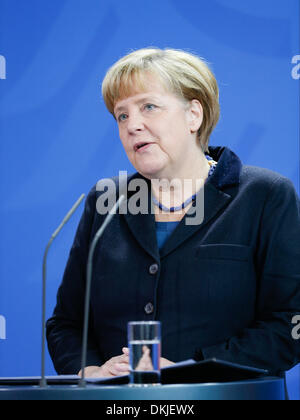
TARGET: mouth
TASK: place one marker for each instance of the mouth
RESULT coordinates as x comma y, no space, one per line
141,146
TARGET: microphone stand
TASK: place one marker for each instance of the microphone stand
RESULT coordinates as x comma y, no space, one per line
82,382
43,381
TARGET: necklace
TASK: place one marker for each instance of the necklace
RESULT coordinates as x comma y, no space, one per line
212,165
176,208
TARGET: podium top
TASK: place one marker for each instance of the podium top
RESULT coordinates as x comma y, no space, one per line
266,388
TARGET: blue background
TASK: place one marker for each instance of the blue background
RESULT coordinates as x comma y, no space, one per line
57,139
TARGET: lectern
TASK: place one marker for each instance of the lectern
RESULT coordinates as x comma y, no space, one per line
210,379
267,388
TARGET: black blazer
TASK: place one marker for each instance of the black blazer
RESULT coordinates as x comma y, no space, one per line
227,288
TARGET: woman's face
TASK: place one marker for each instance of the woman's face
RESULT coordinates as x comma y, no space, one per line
158,131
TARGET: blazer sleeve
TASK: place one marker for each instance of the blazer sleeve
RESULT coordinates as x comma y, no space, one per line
64,328
268,343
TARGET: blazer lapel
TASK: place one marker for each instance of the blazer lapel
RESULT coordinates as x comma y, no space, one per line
142,226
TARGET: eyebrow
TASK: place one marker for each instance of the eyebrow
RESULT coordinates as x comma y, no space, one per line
146,97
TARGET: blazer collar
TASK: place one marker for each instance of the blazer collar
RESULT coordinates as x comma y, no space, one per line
216,196
229,167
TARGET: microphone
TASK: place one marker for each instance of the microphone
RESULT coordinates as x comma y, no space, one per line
82,382
43,381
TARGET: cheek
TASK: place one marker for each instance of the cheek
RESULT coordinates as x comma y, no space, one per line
177,129
179,121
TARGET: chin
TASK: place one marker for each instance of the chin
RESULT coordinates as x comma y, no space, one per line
151,172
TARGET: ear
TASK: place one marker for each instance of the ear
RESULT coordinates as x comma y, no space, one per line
195,115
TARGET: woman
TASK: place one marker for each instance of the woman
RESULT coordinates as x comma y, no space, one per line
227,287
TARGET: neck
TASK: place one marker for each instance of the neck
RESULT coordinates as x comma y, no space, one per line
174,190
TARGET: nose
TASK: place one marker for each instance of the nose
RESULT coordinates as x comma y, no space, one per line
135,123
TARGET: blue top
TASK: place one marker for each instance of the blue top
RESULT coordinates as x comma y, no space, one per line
163,231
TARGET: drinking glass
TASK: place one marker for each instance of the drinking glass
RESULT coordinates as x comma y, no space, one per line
144,342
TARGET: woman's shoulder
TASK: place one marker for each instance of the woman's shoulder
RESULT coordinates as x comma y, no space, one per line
265,179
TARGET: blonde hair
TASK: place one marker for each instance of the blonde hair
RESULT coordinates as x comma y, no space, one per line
183,73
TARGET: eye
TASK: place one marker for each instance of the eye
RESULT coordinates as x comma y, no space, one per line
122,117
149,107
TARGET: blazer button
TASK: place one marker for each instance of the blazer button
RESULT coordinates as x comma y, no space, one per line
149,308
153,269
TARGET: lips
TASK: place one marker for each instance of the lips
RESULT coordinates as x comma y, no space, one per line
141,145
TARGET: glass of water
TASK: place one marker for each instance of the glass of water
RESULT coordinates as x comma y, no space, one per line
144,352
